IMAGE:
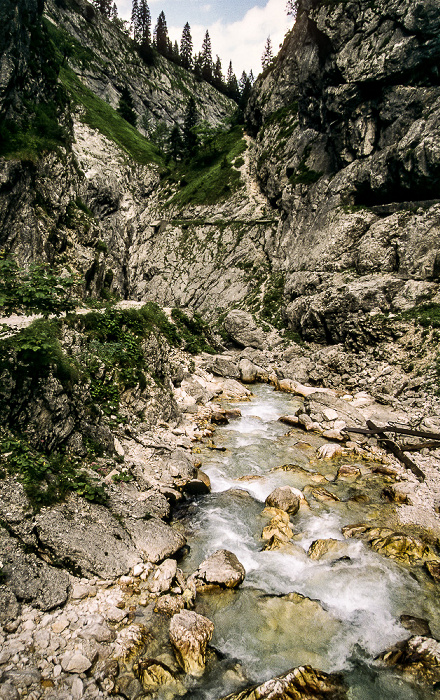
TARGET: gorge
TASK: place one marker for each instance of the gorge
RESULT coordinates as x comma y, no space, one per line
296,248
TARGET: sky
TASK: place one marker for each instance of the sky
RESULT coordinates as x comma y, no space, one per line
238,28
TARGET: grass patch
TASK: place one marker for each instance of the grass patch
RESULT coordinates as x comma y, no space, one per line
210,177
100,116
425,315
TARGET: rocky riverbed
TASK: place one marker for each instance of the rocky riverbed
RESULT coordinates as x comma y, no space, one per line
77,577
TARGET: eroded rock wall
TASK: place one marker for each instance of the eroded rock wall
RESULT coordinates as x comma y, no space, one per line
349,150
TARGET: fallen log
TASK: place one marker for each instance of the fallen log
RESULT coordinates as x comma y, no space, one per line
417,446
397,452
411,432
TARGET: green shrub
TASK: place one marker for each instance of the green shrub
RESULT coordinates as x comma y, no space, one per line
36,290
46,478
31,353
195,332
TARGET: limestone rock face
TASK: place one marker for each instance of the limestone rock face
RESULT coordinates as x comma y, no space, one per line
348,148
222,569
189,636
302,682
89,537
29,579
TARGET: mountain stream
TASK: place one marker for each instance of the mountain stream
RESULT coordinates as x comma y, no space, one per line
348,608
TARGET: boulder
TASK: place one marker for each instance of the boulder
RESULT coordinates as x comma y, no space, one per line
418,656
327,549
396,545
416,625
161,580
200,486
29,578
233,390
189,636
9,606
433,569
277,529
302,682
243,330
250,372
348,471
322,495
329,451
222,569
223,366
153,674
285,499
154,539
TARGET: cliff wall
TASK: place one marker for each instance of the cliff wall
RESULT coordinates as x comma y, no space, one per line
346,121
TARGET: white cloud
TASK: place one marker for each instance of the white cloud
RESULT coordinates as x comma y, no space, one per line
242,42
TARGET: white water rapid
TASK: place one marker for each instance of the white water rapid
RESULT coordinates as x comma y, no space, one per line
349,607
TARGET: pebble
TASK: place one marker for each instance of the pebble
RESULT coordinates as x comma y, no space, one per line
75,662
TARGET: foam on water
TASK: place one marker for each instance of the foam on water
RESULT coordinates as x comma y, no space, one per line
362,593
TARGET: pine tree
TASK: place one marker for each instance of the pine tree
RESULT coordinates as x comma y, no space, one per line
267,56
176,143
104,7
114,12
231,83
126,106
251,77
135,20
218,80
198,63
292,7
144,23
189,123
207,58
244,87
161,35
186,47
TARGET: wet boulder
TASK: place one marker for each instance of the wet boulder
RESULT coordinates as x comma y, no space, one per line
278,533
153,674
396,545
329,451
285,499
433,569
418,656
416,625
189,636
302,682
221,570
348,471
327,549
200,486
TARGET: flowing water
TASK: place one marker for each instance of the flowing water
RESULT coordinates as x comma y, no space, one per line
348,609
